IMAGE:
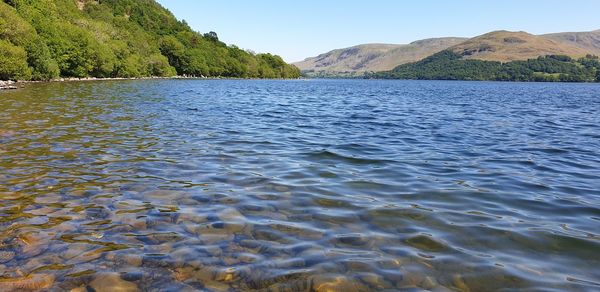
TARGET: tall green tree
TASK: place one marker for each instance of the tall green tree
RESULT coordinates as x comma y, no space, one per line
448,65
121,38
13,62
39,58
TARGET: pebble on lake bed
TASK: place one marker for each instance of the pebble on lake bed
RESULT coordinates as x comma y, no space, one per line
32,244
5,133
112,282
212,279
375,281
425,243
459,283
33,282
338,283
6,256
231,215
133,260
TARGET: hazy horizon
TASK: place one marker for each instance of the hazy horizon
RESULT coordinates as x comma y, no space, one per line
300,30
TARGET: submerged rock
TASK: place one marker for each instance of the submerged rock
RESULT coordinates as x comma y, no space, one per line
164,195
133,260
159,238
425,243
6,256
74,250
231,215
428,283
220,227
34,282
375,281
336,283
459,283
211,277
112,283
188,217
32,244
351,239
226,275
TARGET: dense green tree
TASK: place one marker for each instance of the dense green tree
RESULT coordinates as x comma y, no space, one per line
44,67
211,36
158,65
131,67
13,62
120,38
13,28
448,65
103,61
175,52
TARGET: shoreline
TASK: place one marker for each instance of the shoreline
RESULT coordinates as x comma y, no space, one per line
10,84
449,80
13,85
5,85
74,79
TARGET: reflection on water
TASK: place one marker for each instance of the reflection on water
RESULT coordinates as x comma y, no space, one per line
299,185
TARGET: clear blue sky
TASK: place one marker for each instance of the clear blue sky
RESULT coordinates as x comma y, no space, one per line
299,29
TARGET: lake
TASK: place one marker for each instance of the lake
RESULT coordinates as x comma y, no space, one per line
330,185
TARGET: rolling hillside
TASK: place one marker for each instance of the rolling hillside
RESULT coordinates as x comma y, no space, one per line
375,57
500,46
589,40
48,39
505,46
449,65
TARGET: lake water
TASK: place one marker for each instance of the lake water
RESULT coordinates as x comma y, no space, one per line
343,185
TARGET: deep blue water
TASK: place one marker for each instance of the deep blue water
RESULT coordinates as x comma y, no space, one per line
352,185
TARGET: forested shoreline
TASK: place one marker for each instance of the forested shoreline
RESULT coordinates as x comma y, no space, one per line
448,65
52,39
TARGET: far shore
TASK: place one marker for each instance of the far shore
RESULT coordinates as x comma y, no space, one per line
7,85
67,79
10,84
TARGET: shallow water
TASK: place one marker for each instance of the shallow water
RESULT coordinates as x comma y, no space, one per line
349,185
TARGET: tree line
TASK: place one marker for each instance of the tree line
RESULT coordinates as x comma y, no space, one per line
448,65
48,39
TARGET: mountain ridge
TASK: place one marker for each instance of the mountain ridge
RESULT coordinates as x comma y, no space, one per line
506,46
589,40
375,56
500,45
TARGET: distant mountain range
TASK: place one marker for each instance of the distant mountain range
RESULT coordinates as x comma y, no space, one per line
502,46
589,40
376,57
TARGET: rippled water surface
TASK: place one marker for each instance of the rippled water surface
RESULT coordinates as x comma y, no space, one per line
337,185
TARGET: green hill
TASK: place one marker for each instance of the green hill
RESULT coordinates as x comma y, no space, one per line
47,39
588,40
449,65
521,49
506,46
356,60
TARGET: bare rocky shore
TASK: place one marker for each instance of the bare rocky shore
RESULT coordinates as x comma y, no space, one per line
14,84
7,85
